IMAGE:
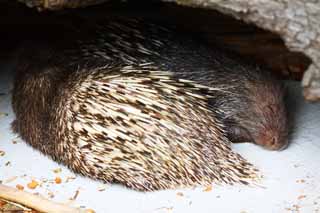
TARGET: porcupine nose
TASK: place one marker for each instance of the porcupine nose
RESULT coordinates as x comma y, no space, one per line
276,145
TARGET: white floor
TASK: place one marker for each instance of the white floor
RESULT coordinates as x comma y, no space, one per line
290,184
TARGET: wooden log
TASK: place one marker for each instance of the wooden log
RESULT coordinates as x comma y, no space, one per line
35,202
296,21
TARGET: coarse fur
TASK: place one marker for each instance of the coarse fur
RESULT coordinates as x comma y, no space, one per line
133,102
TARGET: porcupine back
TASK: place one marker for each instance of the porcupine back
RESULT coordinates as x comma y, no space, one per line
251,99
77,101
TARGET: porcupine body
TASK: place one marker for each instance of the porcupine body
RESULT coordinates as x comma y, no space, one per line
132,102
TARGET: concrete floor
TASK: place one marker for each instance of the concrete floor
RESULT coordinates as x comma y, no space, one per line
290,184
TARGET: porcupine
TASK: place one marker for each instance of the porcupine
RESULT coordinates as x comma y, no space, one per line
138,103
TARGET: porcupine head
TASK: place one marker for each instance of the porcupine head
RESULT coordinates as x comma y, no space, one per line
266,122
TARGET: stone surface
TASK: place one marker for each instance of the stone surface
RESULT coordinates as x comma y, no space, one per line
296,21
59,4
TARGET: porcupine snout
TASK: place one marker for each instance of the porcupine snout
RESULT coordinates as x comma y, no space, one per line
273,136
272,128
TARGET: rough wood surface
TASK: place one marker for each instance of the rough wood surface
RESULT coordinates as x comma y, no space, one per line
59,4
296,21
35,202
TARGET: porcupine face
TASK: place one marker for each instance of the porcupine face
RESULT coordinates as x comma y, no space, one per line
270,117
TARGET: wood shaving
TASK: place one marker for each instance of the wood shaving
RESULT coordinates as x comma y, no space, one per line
301,197
90,211
50,194
75,195
57,180
58,170
208,188
20,187
70,178
44,180
295,208
2,153
102,188
10,179
169,209
180,194
33,184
